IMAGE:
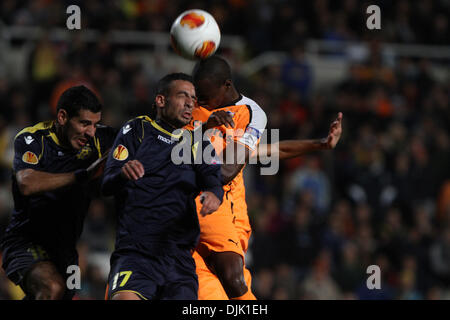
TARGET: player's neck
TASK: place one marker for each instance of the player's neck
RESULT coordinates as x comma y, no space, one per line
59,132
231,97
166,124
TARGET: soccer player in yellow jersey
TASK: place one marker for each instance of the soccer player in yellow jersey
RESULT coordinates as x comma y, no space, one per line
239,123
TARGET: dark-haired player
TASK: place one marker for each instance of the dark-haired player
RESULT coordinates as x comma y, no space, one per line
55,164
240,122
157,220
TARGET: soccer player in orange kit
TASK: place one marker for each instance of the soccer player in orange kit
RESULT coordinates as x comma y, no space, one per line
239,123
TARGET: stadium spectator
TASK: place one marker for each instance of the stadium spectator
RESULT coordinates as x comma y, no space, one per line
393,155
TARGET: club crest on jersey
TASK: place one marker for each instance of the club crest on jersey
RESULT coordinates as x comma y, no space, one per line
120,153
84,152
30,157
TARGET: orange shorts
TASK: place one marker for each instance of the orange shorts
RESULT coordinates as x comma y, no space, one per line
242,222
209,286
218,231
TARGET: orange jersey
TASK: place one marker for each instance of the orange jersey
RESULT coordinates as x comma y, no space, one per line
250,121
227,229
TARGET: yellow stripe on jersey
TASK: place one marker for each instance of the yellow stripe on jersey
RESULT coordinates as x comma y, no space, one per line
97,145
147,119
42,152
135,292
157,126
40,126
45,125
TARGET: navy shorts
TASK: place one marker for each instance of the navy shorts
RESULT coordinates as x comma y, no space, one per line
20,255
169,276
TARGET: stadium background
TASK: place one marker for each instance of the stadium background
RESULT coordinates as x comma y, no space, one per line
381,197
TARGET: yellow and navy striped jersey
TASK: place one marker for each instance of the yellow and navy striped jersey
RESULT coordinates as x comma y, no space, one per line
157,212
55,218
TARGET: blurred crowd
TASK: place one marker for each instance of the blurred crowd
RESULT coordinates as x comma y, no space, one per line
265,24
382,197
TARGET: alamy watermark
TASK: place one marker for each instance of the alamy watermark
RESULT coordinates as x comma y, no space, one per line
374,280
374,20
74,279
74,20
191,149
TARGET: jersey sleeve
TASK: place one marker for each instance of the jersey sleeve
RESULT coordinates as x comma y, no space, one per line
28,152
252,130
123,149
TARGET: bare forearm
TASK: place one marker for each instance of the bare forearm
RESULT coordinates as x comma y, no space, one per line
239,155
230,171
288,149
33,182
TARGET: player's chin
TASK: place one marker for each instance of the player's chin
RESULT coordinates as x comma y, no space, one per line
185,119
78,144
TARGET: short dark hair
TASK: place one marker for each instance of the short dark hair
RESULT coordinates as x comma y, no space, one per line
78,98
163,86
213,68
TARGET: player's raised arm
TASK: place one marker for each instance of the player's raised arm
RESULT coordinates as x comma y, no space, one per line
246,138
240,157
217,119
287,149
31,179
32,182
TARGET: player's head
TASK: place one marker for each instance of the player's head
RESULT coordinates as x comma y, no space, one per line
78,113
175,99
213,84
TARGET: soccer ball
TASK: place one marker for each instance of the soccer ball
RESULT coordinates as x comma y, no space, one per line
195,34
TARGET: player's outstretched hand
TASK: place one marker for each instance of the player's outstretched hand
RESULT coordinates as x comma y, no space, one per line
210,203
133,170
95,170
335,132
218,118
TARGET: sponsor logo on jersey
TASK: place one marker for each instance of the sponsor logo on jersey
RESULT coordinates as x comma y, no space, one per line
120,153
164,139
30,157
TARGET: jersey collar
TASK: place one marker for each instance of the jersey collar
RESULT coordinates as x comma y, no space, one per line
163,126
52,133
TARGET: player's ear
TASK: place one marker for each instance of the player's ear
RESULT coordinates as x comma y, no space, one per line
62,117
228,83
160,101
